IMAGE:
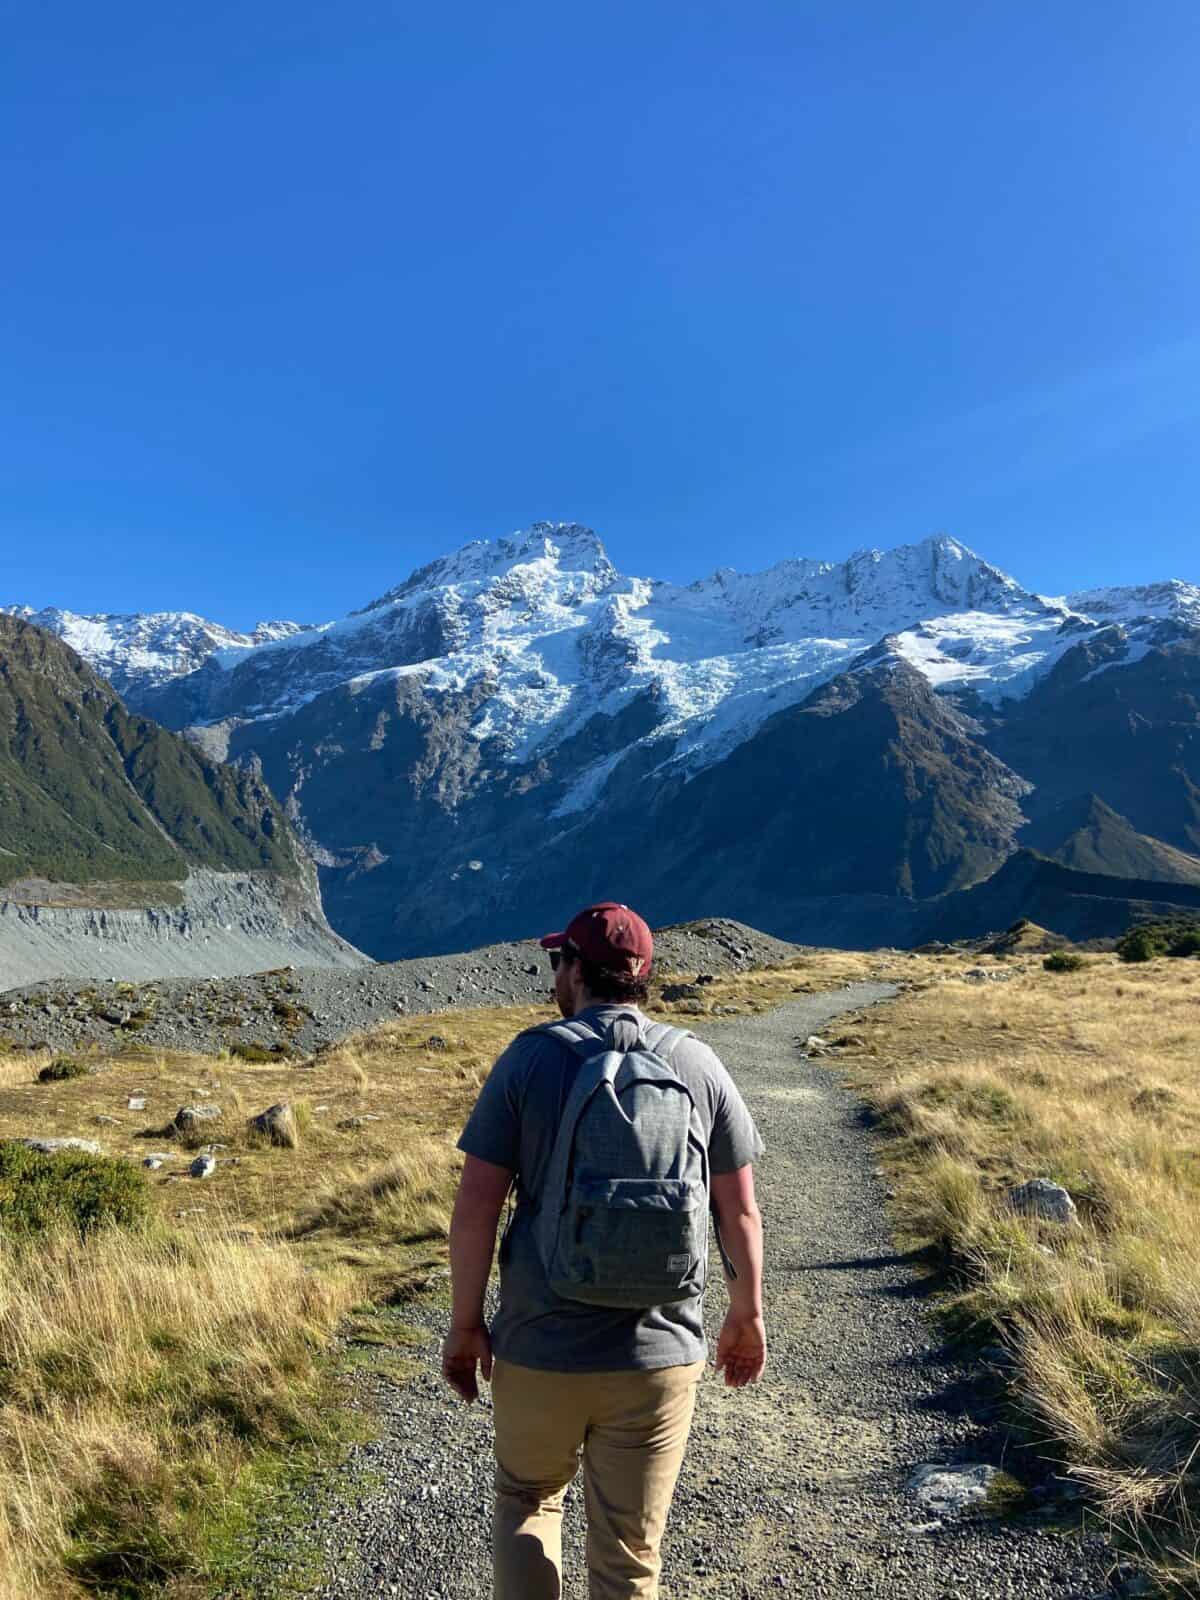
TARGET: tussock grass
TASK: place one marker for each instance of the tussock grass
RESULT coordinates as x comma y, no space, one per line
143,1379
1089,1078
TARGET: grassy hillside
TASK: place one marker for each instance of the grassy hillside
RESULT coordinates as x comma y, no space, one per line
89,793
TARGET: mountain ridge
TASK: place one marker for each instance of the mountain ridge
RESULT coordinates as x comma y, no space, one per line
517,722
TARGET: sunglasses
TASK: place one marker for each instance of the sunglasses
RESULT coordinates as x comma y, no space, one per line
556,956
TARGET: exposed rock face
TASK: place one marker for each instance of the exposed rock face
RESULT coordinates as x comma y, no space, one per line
224,924
835,751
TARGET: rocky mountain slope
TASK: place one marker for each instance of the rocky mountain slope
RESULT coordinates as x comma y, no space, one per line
122,844
518,726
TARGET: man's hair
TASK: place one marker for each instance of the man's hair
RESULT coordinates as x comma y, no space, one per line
622,987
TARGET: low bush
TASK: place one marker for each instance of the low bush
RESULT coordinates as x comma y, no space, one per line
1063,961
61,1069
71,1188
256,1053
1147,940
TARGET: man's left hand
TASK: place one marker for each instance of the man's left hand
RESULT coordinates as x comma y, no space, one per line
463,1350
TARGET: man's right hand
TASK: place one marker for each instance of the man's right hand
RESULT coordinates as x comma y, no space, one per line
464,1348
742,1350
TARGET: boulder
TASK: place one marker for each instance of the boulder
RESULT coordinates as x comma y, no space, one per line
189,1118
203,1167
682,991
49,1147
277,1124
1048,1202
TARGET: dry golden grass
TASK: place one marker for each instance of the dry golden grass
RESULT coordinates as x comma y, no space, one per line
141,1379
1091,1079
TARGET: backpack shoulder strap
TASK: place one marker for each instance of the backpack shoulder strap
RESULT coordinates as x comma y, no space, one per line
576,1035
600,1065
663,1039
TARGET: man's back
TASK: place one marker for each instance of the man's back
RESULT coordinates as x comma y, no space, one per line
514,1125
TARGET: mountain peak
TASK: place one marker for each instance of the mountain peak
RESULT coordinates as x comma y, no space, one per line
938,568
563,546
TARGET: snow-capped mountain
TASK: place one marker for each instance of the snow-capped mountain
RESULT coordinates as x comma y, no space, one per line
142,650
545,619
485,714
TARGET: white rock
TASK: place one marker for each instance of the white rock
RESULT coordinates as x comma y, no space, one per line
203,1167
48,1147
137,1102
945,1491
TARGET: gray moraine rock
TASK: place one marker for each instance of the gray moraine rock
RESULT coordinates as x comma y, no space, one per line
188,1118
278,1124
49,1147
682,991
1049,1202
203,1167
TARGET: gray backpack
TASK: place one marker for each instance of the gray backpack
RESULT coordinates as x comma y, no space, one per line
623,1217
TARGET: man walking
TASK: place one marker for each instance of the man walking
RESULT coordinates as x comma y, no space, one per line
618,1133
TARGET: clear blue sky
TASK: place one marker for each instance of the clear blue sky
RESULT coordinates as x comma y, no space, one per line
296,295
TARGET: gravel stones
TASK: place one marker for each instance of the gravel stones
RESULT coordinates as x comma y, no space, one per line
298,1011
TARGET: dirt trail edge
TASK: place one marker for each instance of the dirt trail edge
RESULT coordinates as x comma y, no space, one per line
796,1486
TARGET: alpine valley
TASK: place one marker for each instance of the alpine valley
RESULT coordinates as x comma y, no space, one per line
902,746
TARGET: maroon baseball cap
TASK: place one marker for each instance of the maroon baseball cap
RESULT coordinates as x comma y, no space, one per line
612,936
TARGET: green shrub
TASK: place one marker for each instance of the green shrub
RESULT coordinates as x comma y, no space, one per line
1140,944
69,1188
256,1053
1177,936
62,1068
1063,961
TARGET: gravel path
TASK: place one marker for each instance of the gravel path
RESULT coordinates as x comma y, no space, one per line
797,1485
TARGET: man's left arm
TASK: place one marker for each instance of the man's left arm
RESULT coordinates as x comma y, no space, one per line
482,1191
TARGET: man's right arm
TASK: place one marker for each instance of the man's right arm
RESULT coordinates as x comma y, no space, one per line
742,1347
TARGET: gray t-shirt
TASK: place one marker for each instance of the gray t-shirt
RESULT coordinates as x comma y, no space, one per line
513,1125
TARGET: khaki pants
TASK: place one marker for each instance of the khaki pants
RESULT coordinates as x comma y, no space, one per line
632,1428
